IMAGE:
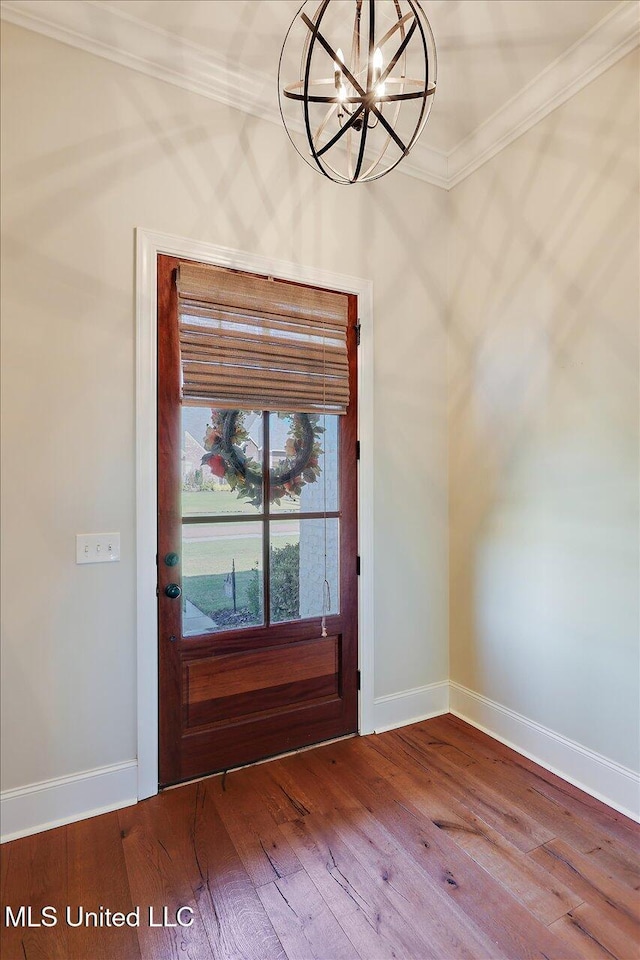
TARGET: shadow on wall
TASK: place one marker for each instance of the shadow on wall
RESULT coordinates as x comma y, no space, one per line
543,420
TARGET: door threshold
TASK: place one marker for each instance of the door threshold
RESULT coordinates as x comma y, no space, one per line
256,763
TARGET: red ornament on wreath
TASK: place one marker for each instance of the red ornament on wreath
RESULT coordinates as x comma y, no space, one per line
217,465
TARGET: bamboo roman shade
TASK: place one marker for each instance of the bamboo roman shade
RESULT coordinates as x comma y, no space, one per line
247,342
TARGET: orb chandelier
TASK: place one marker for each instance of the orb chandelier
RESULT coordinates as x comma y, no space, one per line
355,84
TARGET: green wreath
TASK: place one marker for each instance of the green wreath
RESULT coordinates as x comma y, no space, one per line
226,438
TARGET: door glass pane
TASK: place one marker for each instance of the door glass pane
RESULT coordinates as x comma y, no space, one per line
221,576
221,461
303,462
297,561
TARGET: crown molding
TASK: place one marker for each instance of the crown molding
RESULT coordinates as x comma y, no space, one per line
91,26
606,43
115,35
425,163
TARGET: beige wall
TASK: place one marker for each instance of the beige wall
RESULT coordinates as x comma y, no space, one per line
543,396
93,150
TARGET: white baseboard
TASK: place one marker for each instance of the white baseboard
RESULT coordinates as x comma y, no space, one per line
410,706
614,784
52,803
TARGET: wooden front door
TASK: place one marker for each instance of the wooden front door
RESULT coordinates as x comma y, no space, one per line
245,671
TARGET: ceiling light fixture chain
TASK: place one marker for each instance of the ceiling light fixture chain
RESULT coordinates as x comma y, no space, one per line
358,117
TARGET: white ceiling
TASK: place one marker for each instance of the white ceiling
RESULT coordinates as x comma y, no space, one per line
502,64
488,50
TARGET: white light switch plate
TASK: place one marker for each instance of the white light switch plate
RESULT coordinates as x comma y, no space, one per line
97,547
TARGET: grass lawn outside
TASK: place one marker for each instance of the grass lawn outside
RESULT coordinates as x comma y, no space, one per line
213,502
206,564
207,593
216,503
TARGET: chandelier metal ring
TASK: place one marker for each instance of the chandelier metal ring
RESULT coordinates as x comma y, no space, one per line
350,127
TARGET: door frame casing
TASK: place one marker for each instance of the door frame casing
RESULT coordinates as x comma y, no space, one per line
149,244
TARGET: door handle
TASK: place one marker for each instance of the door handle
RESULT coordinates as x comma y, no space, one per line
172,559
173,591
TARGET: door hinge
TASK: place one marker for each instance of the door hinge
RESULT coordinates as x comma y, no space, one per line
358,566
357,327
357,449
157,590
359,679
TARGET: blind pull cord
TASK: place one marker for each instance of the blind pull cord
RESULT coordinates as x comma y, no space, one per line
326,589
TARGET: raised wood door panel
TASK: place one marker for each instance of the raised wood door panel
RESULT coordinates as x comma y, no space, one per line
252,683
238,695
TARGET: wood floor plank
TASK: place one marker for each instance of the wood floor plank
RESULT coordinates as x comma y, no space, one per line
625,867
263,850
462,734
5,857
158,880
544,895
616,901
390,868
234,918
312,793
599,930
436,736
363,910
585,837
303,921
485,902
291,790
98,878
547,898
517,827
282,798
327,799
580,940
523,800
323,795
36,876
456,733
438,917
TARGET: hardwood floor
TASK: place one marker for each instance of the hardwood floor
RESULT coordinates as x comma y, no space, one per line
432,841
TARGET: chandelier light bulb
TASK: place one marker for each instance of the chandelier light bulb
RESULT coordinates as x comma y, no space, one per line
355,118
378,63
337,75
